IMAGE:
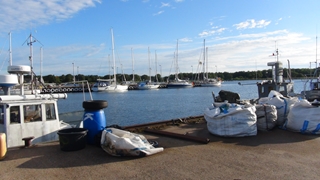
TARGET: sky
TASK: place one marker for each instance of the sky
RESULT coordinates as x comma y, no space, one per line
74,36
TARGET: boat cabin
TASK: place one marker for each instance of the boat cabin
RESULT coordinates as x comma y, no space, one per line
27,117
36,119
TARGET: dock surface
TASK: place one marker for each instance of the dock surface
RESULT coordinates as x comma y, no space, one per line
276,154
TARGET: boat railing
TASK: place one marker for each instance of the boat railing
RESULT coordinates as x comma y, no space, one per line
83,83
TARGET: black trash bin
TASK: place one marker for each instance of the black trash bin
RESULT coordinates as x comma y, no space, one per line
72,139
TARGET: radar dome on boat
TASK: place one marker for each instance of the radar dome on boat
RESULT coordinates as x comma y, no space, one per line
20,69
8,80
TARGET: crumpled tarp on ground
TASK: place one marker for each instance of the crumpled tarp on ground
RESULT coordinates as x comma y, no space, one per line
118,142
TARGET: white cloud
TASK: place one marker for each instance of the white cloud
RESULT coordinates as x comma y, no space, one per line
185,40
179,1
165,5
251,23
212,32
158,13
23,14
277,22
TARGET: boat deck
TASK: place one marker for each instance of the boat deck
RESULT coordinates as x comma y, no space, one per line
269,155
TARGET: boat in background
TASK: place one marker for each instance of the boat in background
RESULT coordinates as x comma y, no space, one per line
277,83
146,85
178,83
211,82
110,84
207,82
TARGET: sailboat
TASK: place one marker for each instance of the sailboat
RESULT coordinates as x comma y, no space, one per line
178,83
206,81
110,84
148,84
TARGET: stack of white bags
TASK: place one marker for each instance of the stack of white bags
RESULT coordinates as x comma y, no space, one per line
234,120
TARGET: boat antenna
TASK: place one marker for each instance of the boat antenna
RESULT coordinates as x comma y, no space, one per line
30,40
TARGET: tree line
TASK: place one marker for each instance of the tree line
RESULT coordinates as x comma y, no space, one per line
225,76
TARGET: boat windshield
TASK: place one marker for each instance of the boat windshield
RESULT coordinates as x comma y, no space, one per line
32,113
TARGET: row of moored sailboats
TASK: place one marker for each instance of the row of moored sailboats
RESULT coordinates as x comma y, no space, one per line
112,85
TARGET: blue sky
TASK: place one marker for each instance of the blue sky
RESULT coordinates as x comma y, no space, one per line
240,35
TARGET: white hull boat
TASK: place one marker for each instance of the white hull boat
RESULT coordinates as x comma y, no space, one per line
147,86
178,83
110,84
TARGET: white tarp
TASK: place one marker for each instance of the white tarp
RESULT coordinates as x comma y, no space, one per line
304,118
118,142
232,121
266,117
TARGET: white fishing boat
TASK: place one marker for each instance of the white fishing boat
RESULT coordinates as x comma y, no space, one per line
208,82
110,84
146,85
178,83
28,118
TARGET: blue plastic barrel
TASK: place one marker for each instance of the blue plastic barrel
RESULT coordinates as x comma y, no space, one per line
94,120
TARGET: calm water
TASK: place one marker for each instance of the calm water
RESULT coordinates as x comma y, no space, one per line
143,106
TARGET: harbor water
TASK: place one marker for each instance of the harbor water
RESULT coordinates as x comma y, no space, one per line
145,106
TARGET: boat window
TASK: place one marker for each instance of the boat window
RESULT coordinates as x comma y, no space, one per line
32,113
2,115
50,112
14,115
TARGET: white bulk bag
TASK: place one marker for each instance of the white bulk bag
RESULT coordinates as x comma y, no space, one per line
282,104
304,117
236,121
266,117
118,142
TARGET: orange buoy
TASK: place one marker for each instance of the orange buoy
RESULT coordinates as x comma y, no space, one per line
3,145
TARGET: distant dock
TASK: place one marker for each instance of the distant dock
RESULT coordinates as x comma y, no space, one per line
80,89
63,90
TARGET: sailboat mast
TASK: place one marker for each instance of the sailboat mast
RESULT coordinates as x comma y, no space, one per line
177,66
316,51
204,59
109,66
10,50
207,64
113,57
41,56
155,52
132,65
149,64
